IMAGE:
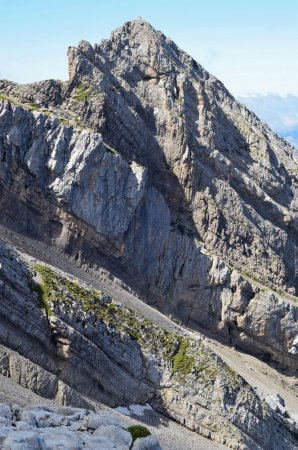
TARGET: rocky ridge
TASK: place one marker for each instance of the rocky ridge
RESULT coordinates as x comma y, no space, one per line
70,190
43,428
143,165
77,337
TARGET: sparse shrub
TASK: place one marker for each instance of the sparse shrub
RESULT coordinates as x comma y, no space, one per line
138,431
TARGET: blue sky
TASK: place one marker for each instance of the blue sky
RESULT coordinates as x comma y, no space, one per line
252,46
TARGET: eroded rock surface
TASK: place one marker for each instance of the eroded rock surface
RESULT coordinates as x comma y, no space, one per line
83,345
144,165
44,428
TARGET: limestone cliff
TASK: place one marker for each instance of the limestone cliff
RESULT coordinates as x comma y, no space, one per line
144,165
68,188
66,341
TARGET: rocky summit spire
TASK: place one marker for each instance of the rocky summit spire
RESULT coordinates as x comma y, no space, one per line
206,154
146,47
145,170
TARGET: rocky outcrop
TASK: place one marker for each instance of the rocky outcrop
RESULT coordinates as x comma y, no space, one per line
96,348
144,165
40,427
70,189
224,175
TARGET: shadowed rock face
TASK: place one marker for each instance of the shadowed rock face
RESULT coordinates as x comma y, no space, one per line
75,344
153,170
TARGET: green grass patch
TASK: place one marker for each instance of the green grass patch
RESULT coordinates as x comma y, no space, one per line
55,288
186,358
64,121
29,106
138,431
7,99
109,149
181,361
83,92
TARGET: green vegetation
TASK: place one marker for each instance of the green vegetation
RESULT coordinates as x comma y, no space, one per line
232,376
181,361
64,121
7,99
83,92
138,431
38,290
54,287
263,288
32,107
29,106
109,149
185,357
78,123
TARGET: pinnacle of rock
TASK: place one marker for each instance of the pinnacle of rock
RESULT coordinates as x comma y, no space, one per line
146,175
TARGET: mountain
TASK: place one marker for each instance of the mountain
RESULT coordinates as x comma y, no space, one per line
144,173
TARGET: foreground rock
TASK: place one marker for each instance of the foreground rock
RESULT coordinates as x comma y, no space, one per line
43,428
78,343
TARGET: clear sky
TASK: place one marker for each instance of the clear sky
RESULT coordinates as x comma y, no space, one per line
252,46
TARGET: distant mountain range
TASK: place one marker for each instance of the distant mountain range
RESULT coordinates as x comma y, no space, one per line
281,113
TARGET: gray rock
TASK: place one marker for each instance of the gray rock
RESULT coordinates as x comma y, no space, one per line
5,422
276,402
5,411
61,438
147,443
48,419
150,198
187,198
95,443
23,440
23,425
4,432
53,431
94,421
114,434
72,413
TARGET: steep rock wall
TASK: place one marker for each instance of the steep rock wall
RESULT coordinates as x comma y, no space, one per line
69,189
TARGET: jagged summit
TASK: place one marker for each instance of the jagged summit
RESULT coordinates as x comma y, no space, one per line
225,179
137,29
142,169
205,153
148,49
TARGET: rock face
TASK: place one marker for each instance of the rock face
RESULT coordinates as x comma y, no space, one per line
143,164
225,176
67,342
70,189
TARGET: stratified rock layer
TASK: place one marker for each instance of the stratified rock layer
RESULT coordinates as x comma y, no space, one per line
67,188
70,343
224,175
144,165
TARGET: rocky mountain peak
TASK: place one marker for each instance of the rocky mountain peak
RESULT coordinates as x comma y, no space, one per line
138,46
137,30
142,171
205,153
